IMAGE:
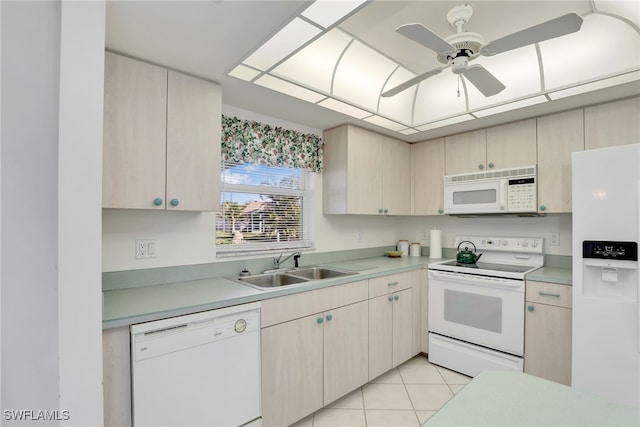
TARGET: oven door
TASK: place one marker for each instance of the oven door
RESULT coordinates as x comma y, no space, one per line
476,197
487,311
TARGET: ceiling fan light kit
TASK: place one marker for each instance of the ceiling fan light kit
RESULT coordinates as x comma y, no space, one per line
457,50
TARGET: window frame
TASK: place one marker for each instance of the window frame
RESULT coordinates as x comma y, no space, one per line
250,248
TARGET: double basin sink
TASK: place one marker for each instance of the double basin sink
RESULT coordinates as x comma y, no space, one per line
290,277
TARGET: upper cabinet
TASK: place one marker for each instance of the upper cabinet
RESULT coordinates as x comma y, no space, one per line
365,173
161,138
498,147
559,135
512,145
427,166
615,123
465,152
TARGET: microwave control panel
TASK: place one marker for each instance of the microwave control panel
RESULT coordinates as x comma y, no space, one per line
522,195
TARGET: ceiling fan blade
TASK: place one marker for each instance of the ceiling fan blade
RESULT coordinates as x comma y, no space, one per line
565,24
406,85
421,34
483,80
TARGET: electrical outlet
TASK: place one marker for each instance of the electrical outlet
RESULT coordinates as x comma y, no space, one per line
145,248
555,238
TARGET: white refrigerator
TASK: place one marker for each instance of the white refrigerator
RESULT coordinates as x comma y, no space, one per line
606,315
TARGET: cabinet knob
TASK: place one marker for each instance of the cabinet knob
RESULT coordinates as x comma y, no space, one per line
396,297
390,298
543,207
530,308
440,211
157,201
481,166
329,317
380,210
320,320
175,202
491,165
386,210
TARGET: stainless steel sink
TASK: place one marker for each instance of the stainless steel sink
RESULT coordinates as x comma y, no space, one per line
319,273
290,277
271,280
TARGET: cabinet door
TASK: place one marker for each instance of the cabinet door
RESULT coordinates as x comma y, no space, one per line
420,295
512,145
465,152
134,135
396,177
547,345
193,144
291,370
364,171
559,135
345,350
402,326
427,166
615,123
380,335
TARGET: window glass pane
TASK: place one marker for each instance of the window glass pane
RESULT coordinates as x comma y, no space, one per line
261,208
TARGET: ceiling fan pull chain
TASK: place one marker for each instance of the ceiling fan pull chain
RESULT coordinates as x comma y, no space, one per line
458,85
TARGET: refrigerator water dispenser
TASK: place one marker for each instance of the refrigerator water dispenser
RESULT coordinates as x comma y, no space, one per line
610,270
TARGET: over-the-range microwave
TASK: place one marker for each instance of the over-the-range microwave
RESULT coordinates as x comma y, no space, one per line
500,191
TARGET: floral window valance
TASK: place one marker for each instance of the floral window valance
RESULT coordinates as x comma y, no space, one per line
247,141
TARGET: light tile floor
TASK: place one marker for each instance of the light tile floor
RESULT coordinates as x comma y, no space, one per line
405,396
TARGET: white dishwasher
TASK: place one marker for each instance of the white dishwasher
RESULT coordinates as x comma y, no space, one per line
201,369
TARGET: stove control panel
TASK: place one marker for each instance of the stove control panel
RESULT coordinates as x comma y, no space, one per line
504,244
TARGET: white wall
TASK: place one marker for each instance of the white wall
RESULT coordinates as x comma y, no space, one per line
30,81
79,211
52,55
189,238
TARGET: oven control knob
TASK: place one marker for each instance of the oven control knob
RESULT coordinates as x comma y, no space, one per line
534,244
504,243
525,244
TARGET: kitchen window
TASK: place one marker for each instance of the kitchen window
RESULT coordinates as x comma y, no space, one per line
262,208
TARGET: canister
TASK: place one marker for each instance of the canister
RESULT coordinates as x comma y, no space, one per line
403,246
414,249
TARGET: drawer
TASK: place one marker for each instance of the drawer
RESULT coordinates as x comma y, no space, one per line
549,293
388,284
295,306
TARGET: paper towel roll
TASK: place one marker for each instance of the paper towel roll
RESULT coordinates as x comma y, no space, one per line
435,244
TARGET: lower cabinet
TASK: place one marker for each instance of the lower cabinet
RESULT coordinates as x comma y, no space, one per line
390,331
391,322
547,347
311,361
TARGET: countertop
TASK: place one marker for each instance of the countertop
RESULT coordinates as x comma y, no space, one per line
561,276
123,307
502,398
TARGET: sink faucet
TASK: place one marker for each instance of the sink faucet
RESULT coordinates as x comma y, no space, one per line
277,261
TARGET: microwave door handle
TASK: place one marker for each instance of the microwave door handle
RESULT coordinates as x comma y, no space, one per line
504,194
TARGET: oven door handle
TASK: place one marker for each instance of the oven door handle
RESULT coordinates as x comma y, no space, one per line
474,279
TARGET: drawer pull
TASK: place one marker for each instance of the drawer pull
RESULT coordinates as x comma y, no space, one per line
548,294
530,308
392,283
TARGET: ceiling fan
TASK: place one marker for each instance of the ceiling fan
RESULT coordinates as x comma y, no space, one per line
457,50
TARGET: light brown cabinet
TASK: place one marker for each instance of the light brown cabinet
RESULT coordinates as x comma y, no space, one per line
547,347
499,147
310,360
161,147
390,322
559,135
611,124
428,170
365,173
